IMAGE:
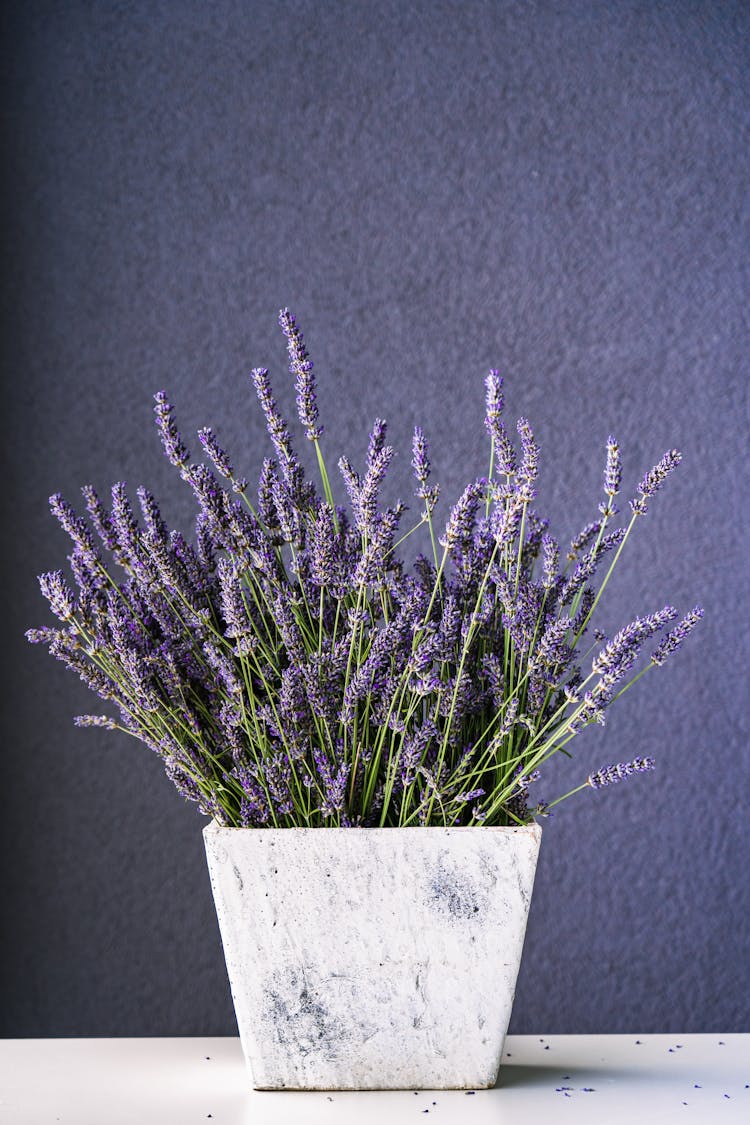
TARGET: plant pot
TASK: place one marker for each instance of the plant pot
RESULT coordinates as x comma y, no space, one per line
372,958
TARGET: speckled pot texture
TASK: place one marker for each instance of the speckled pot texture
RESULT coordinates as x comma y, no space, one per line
374,958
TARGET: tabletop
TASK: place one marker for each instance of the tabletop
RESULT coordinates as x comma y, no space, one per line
185,1081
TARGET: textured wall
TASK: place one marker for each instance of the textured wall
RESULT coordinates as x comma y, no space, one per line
555,189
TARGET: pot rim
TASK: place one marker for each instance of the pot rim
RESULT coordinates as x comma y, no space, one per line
533,829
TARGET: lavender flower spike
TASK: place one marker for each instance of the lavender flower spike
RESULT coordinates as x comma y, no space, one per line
613,471
654,479
676,636
625,645
494,386
58,594
323,553
219,457
170,437
421,464
76,529
301,366
609,775
460,523
95,721
612,478
551,560
505,454
530,464
588,564
279,432
377,439
367,505
582,540
99,517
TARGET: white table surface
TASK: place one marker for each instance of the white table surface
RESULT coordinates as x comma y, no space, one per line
605,1079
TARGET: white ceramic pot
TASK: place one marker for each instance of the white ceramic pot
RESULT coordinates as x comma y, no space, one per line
372,958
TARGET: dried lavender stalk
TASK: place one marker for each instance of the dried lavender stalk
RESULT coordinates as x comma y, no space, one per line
290,669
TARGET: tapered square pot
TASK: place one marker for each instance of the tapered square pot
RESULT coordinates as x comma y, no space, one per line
372,958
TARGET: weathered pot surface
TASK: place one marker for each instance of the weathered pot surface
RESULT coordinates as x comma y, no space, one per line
374,958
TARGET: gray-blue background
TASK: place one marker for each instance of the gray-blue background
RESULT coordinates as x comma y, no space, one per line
557,189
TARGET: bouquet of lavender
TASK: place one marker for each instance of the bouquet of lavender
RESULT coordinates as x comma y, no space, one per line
290,670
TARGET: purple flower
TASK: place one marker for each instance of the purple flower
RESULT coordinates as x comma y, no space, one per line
366,508
266,490
170,437
510,718
676,636
99,517
372,564
234,606
255,811
492,669
582,540
76,529
58,594
95,721
224,668
279,432
654,479
277,775
464,798
205,546
290,668
530,464
495,404
421,465
42,636
619,654
414,749
301,366
324,561
333,780
288,516
609,775
125,526
377,439
506,519
517,805
460,526
552,649
588,564
551,561
613,471
151,515
505,456
220,460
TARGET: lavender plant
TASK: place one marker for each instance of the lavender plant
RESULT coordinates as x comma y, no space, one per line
291,670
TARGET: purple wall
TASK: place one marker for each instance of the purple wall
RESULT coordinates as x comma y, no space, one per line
559,190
